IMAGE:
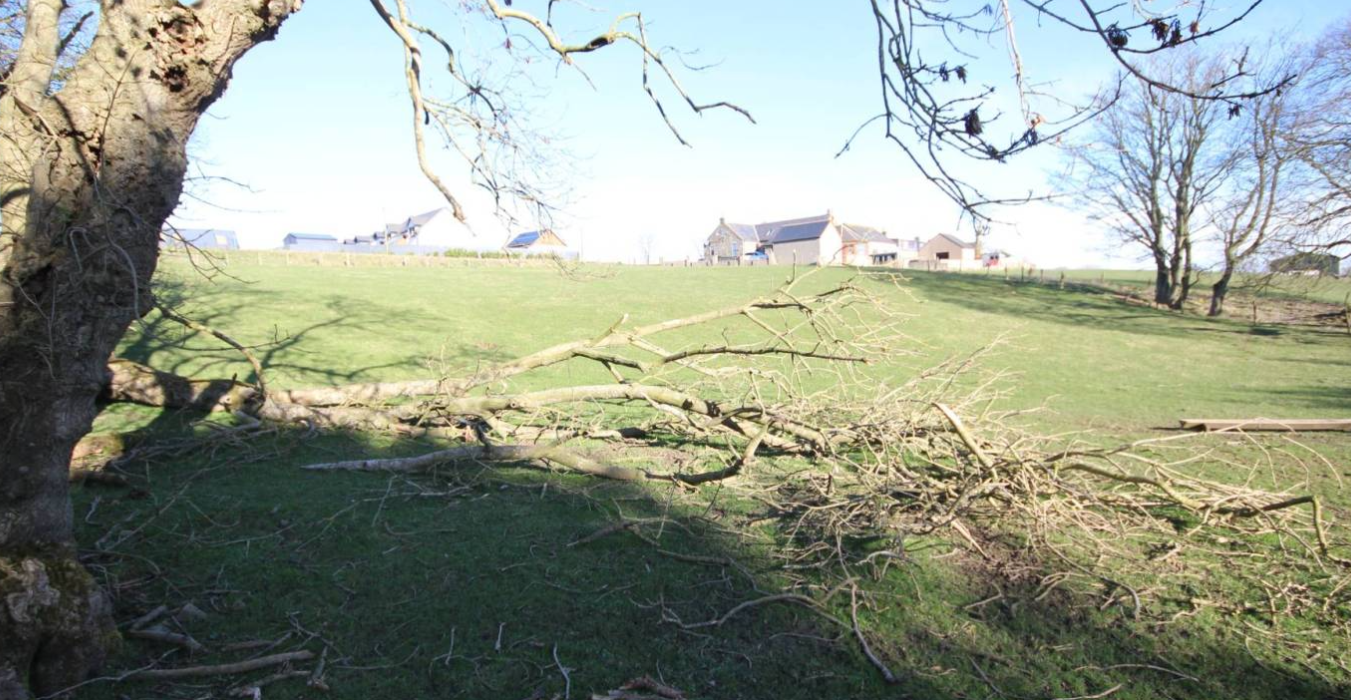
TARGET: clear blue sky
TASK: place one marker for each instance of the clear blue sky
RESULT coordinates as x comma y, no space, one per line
317,125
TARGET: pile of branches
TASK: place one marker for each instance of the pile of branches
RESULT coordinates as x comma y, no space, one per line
796,406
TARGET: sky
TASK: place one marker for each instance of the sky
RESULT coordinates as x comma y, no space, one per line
314,134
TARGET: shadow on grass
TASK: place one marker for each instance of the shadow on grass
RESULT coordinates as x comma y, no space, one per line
1087,306
471,583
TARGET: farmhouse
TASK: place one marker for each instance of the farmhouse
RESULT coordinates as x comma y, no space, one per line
1308,264
946,252
311,242
812,240
542,242
201,238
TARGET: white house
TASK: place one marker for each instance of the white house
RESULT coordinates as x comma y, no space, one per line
812,240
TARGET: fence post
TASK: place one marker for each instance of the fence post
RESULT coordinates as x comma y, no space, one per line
1062,279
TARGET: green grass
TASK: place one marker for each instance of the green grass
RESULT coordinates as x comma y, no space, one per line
386,577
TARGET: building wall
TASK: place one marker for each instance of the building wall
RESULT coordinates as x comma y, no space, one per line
816,251
723,244
959,256
312,246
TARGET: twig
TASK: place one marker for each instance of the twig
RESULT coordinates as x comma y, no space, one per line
221,669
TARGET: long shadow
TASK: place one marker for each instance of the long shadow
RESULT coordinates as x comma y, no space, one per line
1083,306
1333,398
472,582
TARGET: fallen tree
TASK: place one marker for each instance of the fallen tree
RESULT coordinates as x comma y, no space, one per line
791,400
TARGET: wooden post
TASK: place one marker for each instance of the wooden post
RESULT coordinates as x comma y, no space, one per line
1043,275
1062,279
1102,278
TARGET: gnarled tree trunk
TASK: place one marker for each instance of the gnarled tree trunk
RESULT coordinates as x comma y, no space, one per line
91,169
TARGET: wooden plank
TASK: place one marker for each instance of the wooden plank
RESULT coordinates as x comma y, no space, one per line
1267,424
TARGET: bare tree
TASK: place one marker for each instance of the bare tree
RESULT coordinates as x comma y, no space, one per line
1147,166
946,99
1324,140
647,245
92,142
1260,203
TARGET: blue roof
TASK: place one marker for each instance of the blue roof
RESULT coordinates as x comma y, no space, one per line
524,239
800,232
311,236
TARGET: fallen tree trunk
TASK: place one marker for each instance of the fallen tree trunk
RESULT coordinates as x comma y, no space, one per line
135,383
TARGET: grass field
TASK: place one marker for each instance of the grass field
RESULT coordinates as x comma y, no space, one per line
465,586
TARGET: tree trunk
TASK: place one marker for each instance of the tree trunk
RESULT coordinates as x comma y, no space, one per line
92,171
1218,292
1163,281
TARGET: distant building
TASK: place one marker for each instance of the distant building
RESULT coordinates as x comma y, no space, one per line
429,233
946,252
997,259
542,242
310,242
812,240
1308,263
201,238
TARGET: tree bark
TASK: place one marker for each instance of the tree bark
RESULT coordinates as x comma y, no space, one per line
1218,292
1163,285
91,171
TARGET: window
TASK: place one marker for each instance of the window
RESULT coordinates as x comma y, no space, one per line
222,239
942,256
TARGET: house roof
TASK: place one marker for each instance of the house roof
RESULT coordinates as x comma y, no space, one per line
524,240
767,231
424,217
745,232
805,231
955,240
311,236
855,232
529,238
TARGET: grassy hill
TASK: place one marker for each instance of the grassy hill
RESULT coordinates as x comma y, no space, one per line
464,584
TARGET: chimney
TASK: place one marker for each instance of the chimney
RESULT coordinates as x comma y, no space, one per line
722,221
830,216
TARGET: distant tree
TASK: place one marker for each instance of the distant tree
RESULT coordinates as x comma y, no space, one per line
647,246
1324,142
1260,202
1149,163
